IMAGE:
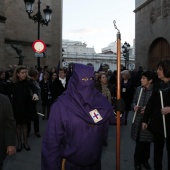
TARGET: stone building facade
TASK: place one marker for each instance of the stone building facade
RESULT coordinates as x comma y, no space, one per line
18,30
152,35
78,52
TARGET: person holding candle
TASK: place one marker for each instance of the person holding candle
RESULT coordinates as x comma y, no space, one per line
142,137
153,119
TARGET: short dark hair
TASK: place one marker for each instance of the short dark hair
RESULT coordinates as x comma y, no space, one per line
32,73
62,69
150,75
165,64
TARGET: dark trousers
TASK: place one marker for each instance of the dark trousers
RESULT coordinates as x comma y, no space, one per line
36,124
159,142
1,166
126,117
142,152
46,110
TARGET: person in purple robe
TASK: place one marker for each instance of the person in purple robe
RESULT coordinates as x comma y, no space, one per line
77,125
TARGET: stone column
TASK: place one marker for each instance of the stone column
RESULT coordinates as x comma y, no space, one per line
56,32
2,32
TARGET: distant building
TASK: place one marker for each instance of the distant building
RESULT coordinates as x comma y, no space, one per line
78,52
152,35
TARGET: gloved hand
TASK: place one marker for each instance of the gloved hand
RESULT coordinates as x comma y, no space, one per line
35,97
119,105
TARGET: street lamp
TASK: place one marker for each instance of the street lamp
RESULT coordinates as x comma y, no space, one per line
125,49
29,4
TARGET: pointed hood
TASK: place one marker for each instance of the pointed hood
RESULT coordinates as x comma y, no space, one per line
81,97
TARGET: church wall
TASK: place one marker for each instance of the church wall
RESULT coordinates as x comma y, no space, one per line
152,21
21,32
2,30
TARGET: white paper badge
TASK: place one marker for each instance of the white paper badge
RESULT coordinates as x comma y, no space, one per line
95,115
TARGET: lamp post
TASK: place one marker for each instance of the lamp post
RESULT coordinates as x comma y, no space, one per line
38,17
125,49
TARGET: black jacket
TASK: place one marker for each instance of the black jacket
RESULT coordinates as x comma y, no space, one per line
57,88
127,92
23,106
152,115
3,87
7,126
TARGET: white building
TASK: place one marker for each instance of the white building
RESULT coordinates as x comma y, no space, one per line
78,52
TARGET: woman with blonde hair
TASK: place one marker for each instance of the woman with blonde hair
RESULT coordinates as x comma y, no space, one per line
24,93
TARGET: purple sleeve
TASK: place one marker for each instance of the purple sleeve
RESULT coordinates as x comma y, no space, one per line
51,153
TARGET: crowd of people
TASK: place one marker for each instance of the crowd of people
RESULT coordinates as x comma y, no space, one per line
60,96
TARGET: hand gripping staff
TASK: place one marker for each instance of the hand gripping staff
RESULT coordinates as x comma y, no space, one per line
141,90
163,116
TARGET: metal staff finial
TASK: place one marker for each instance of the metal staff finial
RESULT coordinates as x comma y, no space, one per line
114,22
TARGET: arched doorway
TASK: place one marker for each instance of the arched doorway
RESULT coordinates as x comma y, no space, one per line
158,50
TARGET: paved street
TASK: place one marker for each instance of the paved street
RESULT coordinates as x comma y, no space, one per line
31,160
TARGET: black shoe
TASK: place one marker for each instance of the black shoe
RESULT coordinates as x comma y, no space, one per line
146,165
26,147
138,167
37,135
19,148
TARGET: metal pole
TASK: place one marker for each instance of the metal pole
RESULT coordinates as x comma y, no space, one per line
127,60
39,18
118,97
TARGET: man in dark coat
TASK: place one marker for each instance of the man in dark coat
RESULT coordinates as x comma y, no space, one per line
59,85
77,125
3,84
7,129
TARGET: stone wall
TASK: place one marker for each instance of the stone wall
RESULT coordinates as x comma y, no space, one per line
139,2
152,21
21,32
2,30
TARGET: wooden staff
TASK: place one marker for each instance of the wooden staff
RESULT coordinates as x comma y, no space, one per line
163,116
118,97
137,104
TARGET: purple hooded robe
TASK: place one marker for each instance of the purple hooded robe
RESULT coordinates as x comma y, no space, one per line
72,133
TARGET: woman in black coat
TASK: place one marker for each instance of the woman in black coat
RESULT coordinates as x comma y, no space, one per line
127,92
24,94
153,119
34,76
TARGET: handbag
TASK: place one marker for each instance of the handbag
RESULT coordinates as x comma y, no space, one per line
146,135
